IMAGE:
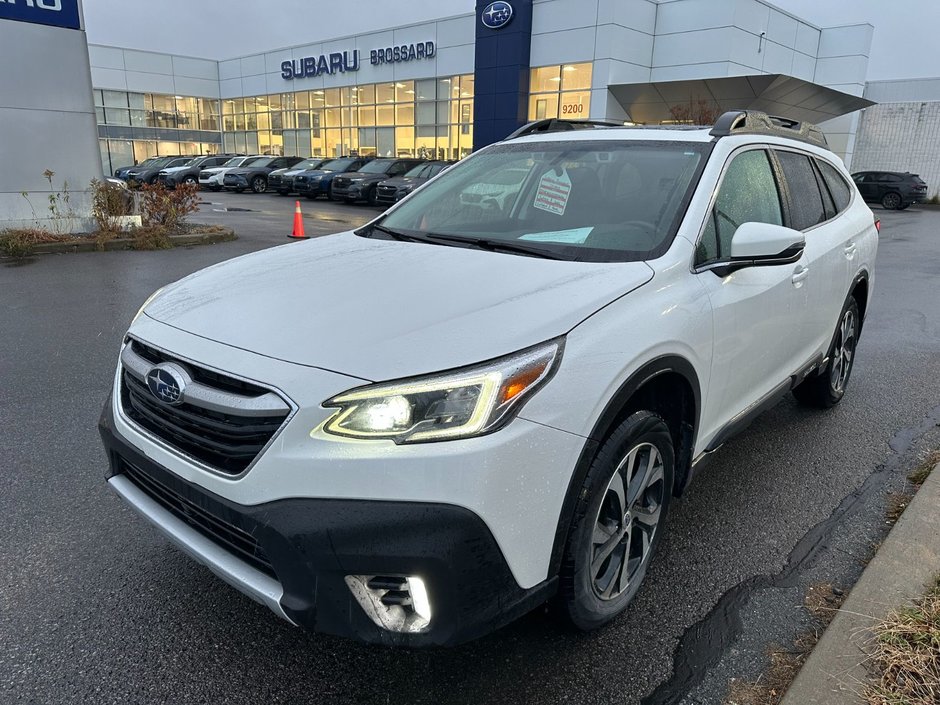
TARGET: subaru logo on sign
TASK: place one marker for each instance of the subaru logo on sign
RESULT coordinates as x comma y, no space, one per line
166,384
497,14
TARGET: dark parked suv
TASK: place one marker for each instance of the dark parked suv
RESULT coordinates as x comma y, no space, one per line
361,185
393,190
188,173
314,183
147,173
255,175
894,190
121,172
282,180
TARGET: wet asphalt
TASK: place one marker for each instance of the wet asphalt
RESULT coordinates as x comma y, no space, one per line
95,606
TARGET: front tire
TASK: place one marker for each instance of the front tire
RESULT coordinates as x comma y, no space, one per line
259,184
618,522
189,180
825,390
891,201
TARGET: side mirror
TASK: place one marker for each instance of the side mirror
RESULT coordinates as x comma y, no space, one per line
762,245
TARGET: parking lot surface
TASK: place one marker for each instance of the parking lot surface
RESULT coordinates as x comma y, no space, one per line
95,606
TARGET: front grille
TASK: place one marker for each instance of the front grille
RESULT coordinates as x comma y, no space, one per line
228,442
233,539
386,194
274,180
340,182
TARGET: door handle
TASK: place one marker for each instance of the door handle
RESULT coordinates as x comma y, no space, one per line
799,275
850,249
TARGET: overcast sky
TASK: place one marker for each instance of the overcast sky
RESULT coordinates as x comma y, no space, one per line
905,43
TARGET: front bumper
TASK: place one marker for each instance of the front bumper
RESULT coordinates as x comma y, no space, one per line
235,181
304,549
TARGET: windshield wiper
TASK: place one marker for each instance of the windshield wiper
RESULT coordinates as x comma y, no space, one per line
496,245
397,234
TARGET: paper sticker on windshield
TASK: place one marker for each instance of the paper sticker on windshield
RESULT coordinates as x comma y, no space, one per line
574,236
552,194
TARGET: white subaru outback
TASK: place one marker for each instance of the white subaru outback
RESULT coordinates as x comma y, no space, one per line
414,432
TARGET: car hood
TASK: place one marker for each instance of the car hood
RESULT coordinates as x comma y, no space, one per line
379,309
364,176
245,171
314,172
174,169
401,181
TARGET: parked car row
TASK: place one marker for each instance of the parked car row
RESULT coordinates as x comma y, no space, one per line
377,181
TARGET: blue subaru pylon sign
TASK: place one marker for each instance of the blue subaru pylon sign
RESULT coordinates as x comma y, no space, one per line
56,13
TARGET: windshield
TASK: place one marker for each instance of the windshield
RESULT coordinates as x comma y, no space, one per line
235,161
179,162
416,170
306,164
260,162
337,165
587,200
378,166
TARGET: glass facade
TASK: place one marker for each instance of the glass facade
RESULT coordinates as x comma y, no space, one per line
135,126
431,118
560,92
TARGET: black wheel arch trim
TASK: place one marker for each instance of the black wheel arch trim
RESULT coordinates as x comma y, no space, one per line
603,426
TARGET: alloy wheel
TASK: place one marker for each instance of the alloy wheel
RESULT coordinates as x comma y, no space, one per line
627,521
891,201
843,352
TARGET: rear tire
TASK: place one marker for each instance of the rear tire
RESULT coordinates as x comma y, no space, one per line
617,524
825,390
372,196
891,201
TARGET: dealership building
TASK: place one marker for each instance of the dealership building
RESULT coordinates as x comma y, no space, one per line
432,88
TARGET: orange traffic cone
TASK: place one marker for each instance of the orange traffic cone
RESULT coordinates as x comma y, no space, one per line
298,233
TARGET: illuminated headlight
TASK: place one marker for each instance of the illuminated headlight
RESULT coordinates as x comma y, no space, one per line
458,404
146,304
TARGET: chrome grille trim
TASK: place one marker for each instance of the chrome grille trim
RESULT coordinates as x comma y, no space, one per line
206,397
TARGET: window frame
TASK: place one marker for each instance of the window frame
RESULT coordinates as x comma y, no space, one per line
813,157
708,265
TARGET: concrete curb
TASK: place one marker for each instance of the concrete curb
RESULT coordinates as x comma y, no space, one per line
835,672
125,243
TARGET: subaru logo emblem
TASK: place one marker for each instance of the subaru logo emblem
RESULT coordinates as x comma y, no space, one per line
166,384
497,14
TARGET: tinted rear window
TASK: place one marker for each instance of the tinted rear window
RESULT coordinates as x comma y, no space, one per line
840,191
806,205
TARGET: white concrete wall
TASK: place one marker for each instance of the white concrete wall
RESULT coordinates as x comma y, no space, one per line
119,69
260,74
902,132
48,122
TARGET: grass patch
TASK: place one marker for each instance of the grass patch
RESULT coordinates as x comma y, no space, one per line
822,601
906,657
152,237
897,503
920,474
20,242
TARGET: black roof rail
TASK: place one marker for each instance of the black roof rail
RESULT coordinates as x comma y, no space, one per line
556,125
753,122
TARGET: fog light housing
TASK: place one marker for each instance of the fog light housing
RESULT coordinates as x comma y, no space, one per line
395,603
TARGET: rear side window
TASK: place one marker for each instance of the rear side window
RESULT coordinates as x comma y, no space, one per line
806,205
748,193
837,186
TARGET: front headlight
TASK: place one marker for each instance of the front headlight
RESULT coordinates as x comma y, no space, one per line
146,304
459,404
